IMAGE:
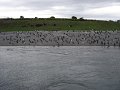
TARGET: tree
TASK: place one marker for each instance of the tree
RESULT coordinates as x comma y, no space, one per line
118,21
21,17
36,17
81,19
52,17
74,18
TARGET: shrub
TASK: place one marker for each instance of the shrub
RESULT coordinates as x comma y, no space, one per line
74,18
38,25
118,21
21,17
81,19
52,17
36,17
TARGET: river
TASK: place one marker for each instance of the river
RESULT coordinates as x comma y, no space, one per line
59,68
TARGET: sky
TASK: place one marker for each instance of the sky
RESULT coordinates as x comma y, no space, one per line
88,9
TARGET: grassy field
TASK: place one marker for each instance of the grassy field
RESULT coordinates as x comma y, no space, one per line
56,24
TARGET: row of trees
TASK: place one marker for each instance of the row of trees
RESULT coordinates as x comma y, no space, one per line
72,18
75,18
52,17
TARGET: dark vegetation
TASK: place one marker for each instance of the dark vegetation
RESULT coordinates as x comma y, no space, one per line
52,23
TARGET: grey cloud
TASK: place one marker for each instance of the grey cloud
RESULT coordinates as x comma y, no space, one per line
73,7
47,4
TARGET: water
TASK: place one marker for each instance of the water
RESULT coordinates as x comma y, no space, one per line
59,68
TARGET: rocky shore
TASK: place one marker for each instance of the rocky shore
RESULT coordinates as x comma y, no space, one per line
60,38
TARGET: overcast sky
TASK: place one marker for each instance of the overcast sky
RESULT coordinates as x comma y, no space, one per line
93,9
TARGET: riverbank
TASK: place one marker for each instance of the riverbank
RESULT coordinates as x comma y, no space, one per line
31,24
60,38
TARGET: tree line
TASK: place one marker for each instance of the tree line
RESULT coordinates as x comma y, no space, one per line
53,18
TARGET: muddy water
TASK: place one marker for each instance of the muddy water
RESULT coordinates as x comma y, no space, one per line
59,68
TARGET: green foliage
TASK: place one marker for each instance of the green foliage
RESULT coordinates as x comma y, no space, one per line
36,17
74,18
52,17
21,17
81,19
118,21
56,24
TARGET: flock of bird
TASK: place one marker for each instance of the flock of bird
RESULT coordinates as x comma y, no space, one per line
60,38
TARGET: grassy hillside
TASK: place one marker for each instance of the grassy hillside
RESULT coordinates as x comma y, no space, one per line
55,24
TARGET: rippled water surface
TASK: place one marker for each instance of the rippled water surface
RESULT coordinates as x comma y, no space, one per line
59,68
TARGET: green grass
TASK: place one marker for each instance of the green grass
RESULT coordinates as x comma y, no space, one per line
60,24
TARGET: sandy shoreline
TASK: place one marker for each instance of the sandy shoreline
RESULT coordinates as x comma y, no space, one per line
60,38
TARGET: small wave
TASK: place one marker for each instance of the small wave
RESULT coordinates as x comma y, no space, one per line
9,49
69,85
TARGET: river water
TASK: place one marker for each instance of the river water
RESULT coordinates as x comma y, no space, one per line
59,68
